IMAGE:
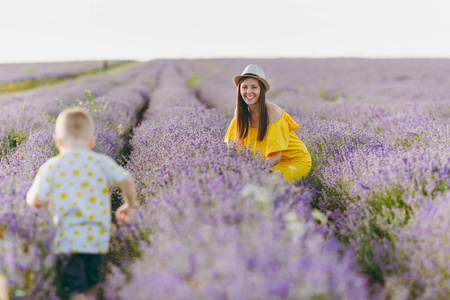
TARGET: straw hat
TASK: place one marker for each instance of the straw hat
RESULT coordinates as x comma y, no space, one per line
255,72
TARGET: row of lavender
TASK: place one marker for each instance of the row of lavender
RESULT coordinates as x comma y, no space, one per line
18,72
336,88
25,112
25,233
378,135
218,225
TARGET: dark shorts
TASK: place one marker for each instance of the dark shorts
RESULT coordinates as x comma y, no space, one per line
78,272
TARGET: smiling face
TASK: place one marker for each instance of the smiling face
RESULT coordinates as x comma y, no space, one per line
250,91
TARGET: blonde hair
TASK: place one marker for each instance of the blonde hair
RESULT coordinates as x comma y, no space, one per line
74,123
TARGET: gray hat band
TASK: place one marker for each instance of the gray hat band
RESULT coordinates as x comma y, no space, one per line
249,74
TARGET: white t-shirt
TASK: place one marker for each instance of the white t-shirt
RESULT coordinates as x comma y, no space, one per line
78,182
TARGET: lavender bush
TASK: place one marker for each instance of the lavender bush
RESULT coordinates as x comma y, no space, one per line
424,248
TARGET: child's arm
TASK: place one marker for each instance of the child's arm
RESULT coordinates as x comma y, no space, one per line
123,213
41,190
34,201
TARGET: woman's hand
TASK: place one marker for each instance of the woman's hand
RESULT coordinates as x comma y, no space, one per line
274,158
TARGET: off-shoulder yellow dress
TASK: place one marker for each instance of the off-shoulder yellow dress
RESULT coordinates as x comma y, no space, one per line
295,160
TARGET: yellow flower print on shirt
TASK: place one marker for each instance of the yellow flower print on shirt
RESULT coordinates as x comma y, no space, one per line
83,189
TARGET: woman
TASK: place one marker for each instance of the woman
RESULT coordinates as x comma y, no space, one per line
264,125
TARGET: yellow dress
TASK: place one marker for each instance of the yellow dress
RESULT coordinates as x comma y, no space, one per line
295,160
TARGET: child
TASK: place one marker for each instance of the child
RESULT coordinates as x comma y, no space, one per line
78,182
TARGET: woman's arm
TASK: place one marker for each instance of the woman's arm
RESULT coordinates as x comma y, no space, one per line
274,157
274,113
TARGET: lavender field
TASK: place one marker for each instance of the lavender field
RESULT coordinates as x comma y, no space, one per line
370,221
28,75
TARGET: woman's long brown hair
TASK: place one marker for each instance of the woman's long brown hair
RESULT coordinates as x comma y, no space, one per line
243,114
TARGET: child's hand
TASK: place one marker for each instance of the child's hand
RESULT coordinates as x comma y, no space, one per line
124,213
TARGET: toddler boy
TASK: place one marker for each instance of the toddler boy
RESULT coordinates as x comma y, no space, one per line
78,181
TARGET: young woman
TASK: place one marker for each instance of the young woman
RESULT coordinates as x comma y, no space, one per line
262,125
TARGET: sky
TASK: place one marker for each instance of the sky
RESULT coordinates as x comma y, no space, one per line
55,30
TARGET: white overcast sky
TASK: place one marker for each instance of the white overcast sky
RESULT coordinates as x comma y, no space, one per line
58,30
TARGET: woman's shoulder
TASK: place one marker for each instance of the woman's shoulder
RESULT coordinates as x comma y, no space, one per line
274,112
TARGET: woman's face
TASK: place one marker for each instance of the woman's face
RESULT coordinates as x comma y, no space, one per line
250,90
